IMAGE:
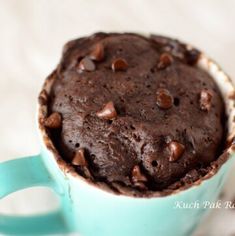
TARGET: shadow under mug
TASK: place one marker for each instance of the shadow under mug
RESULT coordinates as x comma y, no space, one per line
90,210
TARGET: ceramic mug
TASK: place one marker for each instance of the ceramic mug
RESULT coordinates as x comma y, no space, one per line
89,209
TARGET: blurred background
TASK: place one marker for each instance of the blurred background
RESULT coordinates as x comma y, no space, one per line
32,33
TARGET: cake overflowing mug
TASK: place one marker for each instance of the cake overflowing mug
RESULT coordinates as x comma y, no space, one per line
91,209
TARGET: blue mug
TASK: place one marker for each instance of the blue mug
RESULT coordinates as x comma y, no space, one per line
89,209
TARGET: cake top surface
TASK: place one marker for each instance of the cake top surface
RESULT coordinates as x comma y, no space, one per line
135,112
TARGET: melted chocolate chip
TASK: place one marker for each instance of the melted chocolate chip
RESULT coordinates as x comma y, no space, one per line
119,65
137,176
164,99
98,52
205,99
108,112
54,121
176,150
79,158
192,56
86,64
164,61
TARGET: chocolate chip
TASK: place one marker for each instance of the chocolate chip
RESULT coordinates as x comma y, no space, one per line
192,56
79,158
119,65
97,53
205,99
137,176
108,112
86,64
164,98
54,121
164,61
176,150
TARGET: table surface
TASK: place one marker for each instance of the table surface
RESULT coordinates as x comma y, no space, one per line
32,35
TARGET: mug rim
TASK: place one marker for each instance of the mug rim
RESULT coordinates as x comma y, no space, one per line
227,90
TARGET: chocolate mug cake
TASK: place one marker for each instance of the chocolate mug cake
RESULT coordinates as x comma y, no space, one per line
135,113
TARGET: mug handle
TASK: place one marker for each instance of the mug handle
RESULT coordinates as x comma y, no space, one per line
25,173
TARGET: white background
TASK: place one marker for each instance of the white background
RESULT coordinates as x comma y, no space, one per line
32,33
